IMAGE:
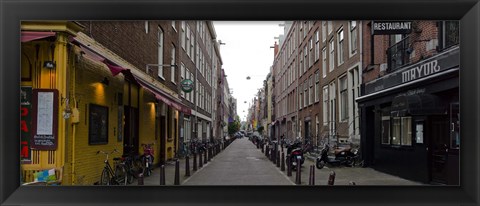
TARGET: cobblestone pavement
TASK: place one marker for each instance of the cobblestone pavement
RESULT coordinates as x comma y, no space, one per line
242,163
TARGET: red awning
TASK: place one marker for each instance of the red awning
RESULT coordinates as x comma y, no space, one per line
34,35
115,69
162,96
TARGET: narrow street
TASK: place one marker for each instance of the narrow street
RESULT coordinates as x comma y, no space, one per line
241,163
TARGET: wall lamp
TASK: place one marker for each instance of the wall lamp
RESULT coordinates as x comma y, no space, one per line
105,81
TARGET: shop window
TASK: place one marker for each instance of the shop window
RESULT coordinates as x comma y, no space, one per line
401,133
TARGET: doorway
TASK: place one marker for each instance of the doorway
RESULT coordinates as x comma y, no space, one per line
130,132
439,144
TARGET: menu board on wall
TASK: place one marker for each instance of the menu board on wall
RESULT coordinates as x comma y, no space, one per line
45,119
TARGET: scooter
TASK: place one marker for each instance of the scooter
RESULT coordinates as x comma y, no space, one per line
147,158
343,156
296,153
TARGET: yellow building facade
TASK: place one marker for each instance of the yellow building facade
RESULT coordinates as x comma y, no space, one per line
94,109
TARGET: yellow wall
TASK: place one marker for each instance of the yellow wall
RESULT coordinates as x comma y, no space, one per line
89,74
147,123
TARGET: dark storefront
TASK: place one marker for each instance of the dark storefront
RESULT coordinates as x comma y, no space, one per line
410,121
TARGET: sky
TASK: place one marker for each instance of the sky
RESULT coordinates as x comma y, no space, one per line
247,52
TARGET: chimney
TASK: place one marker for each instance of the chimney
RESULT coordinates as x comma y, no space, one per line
275,49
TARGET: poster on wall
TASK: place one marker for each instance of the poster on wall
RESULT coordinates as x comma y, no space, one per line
45,119
25,123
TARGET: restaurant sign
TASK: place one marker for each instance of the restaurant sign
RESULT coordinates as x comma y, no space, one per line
444,61
391,27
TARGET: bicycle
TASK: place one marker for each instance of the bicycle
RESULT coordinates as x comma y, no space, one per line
133,164
110,177
147,159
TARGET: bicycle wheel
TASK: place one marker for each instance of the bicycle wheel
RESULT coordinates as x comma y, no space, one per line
130,172
105,177
121,174
137,167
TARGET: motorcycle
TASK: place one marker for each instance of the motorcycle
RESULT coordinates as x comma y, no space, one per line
343,156
296,153
147,158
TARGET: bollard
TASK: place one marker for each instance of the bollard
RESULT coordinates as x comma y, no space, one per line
205,160
289,166
298,180
210,154
194,161
266,151
263,150
187,166
200,162
331,178
352,183
312,175
278,158
162,175
140,178
283,162
177,173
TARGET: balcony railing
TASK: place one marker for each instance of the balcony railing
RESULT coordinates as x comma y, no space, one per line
399,54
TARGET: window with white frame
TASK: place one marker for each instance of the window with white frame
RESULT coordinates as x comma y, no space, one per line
305,92
324,62
300,73
172,69
330,27
305,59
187,40
182,77
310,90
353,37
343,98
197,56
317,46
160,52
340,46
325,105
324,31
300,98
187,76
192,45
312,53
183,35
174,26
195,89
332,54
317,86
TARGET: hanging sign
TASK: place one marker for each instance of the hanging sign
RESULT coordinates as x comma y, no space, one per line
45,119
187,85
25,123
391,27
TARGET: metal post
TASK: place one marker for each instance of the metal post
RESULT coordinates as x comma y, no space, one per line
312,175
289,166
187,166
278,158
194,161
298,180
200,162
205,160
140,179
162,175
331,178
177,172
282,168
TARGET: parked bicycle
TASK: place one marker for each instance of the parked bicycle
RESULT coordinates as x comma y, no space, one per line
110,176
133,163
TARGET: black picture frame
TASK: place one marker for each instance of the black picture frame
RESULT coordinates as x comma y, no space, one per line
97,124
12,12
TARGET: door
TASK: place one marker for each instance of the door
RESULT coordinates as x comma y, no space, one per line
163,139
130,132
439,148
